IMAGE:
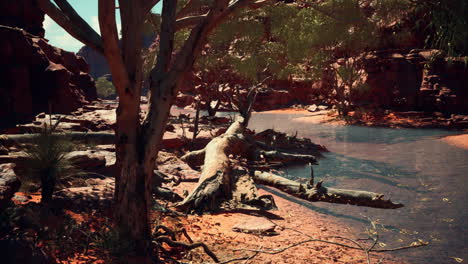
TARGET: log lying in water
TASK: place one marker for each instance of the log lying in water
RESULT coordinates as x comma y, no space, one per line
221,180
320,193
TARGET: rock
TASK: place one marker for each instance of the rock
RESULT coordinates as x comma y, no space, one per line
36,77
97,62
100,194
24,14
170,128
22,198
312,108
9,183
3,150
255,225
322,107
88,160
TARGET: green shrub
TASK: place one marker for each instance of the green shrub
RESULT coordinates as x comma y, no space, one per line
104,88
46,160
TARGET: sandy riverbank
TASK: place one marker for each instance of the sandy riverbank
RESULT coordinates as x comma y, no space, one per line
460,141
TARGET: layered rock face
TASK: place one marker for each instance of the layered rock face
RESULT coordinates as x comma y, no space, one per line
415,80
24,14
35,76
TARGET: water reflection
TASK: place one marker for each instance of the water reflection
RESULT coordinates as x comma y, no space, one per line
352,168
408,165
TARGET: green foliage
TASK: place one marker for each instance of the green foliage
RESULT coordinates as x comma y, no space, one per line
104,88
46,160
447,25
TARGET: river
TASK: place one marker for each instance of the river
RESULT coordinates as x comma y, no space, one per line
410,166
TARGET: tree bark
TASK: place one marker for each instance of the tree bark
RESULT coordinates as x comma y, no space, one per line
221,182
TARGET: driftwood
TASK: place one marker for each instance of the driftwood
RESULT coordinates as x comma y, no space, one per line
223,181
324,194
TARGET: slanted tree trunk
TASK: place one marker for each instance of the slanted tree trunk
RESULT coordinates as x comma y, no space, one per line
137,143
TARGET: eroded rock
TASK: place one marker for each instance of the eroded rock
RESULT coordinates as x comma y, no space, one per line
9,183
255,225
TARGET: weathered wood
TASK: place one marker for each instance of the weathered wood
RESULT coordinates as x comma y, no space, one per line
215,183
287,158
220,180
320,193
194,158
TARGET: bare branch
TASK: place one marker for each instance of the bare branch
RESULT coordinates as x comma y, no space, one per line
183,22
189,21
189,8
166,43
132,16
148,5
78,21
111,43
79,32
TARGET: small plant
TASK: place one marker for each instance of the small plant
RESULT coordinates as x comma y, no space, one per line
109,240
105,88
46,159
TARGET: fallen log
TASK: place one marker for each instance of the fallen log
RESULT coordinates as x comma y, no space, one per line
320,193
222,182
218,180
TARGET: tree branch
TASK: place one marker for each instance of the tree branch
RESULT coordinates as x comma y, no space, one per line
189,21
106,11
78,21
166,43
148,5
132,16
68,22
189,8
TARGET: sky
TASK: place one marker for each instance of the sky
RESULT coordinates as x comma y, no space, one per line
88,9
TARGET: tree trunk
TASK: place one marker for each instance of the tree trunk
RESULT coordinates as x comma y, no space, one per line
221,182
48,180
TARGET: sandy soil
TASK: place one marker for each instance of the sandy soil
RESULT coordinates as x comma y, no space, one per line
216,231
460,141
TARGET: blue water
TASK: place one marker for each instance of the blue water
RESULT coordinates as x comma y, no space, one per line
411,166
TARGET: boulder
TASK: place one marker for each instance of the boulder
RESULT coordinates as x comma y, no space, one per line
255,225
3,150
88,160
312,108
9,183
35,76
